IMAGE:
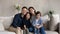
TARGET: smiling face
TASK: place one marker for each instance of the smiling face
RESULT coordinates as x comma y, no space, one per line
24,11
27,16
38,16
32,10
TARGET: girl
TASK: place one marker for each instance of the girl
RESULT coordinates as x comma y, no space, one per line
26,22
38,25
32,12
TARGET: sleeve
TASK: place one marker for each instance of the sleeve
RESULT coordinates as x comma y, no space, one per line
33,23
15,21
41,22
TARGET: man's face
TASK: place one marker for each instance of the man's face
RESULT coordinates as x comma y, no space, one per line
24,11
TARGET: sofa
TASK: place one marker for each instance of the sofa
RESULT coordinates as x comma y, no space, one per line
5,23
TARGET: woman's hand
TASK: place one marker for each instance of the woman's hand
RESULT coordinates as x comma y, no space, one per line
25,26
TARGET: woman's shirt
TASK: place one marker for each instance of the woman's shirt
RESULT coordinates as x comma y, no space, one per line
32,18
27,23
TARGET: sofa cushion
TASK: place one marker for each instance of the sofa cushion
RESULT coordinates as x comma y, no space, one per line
1,25
51,32
48,32
7,21
7,32
45,20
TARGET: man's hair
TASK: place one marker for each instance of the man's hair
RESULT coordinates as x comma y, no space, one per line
24,7
38,12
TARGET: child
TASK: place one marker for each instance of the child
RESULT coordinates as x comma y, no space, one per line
38,25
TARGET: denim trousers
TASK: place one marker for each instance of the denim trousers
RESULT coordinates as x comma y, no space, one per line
37,31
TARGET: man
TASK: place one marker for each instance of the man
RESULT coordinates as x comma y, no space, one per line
17,24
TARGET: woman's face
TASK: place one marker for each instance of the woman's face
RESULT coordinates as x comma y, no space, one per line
38,16
31,10
28,16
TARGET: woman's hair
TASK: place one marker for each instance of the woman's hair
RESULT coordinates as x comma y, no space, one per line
26,15
32,8
38,12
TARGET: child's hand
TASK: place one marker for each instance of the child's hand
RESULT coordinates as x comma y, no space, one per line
37,26
40,26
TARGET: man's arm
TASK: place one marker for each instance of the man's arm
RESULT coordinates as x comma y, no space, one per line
15,21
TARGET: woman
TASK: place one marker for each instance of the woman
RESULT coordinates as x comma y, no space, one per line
26,22
32,12
38,25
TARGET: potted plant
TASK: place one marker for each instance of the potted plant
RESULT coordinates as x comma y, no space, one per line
17,6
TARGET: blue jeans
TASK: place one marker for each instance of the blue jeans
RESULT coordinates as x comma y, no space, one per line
39,31
31,29
36,31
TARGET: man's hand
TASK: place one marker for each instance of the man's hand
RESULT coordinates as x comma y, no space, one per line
18,28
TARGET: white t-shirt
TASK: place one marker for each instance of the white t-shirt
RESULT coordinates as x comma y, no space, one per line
37,22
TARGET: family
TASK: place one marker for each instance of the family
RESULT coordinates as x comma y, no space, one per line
29,19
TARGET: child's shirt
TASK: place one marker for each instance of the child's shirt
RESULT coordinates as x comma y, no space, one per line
37,22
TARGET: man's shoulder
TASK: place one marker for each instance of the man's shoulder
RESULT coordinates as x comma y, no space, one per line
18,14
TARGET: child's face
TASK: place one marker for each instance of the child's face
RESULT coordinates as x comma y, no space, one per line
38,16
28,16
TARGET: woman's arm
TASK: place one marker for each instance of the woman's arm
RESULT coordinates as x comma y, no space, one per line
25,27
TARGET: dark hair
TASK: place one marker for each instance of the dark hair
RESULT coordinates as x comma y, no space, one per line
32,8
38,12
26,15
24,7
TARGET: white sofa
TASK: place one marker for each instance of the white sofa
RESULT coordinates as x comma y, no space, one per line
6,21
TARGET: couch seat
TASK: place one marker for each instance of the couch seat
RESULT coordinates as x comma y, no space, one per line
49,32
6,32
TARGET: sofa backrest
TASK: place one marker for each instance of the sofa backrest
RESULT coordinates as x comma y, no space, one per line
7,21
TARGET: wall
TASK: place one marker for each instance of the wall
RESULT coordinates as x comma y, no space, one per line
7,6
54,5
39,5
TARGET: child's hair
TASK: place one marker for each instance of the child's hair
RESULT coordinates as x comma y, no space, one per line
38,12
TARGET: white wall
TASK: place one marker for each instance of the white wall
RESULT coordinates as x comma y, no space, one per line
54,5
39,5
7,6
